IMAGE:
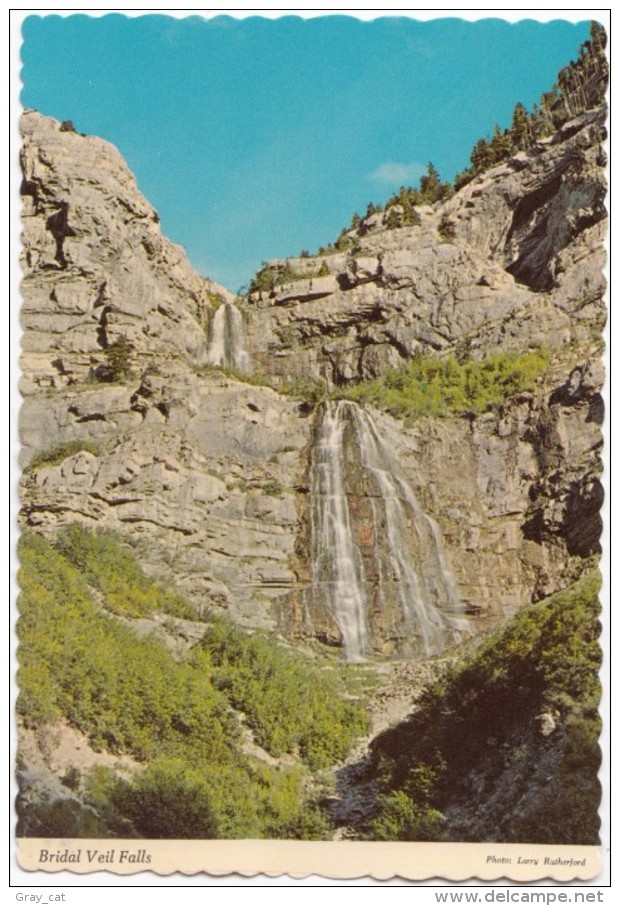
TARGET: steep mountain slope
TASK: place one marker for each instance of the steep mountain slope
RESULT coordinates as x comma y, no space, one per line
211,477
513,259
218,734
504,746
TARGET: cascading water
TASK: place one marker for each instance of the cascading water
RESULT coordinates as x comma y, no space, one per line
226,345
378,562
337,572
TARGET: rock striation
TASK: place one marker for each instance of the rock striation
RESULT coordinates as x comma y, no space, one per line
210,478
199,473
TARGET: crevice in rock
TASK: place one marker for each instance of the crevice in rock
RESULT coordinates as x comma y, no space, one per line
29,187
596,410
58,225
102,327
583,524
100,298
161,525
92,417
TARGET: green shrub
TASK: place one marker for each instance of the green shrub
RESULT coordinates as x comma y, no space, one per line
255,380
110,566
273,488
63,817
289,704
307,390
58,453
175,798
118,359
408,199
447,386
127,694
72,778
215,300
477,729
269,276
401,818
168,799
446,229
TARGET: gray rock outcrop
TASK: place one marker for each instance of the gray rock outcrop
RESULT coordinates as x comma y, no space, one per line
513,259
96,267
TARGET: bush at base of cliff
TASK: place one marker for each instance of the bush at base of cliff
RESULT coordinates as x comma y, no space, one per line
289,704
177,800
401,818
128,695
110,566
506,742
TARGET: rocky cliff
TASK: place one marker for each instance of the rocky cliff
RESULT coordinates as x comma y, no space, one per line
96,267
195,469
513,259
210,477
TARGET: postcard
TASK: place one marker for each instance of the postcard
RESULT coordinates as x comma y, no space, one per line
311,375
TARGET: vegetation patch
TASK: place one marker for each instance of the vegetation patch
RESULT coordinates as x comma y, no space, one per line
288,708
307,390
128,695
273,488
118,361
446,229
255,380
215,300
269,276
504,747
442,387
108,565
58,453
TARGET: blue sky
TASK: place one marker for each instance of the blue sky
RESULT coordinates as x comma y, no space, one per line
255,138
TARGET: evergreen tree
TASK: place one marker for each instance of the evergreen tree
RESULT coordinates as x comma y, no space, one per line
430,185
461,179
501,144
481,157
407,198
521,133
580,86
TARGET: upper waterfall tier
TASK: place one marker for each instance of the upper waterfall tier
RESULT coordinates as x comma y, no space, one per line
227,339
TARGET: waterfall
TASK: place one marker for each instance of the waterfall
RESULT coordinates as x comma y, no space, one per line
226,346
378,561
336,563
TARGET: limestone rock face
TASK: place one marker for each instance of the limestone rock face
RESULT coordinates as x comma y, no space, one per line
514,258
209,478
199,473
96,267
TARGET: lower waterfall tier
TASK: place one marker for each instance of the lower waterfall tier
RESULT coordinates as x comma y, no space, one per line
378,567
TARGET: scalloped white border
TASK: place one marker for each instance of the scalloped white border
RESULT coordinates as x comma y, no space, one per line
344,859
359,862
